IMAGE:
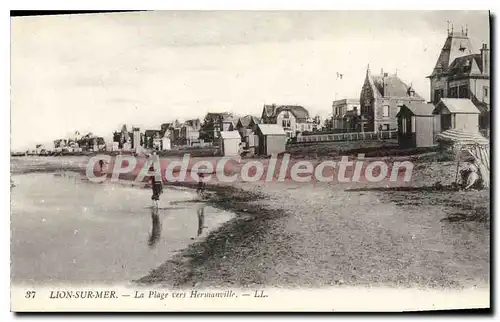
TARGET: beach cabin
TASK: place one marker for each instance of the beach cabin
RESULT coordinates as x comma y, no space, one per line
456,113
230,143
271,139
416,125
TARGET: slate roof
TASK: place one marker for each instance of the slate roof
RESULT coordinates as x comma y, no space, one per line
420,109
463,65
230,135
458,105
271,129
456,45
392,86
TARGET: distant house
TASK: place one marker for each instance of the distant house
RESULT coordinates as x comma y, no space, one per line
246,126
166,129
214,123
190,132
317,123
271,139
294,119
381,97
345,112
457,114
416,125
152,139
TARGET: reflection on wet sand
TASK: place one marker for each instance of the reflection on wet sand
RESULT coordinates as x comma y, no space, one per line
201,219
155,235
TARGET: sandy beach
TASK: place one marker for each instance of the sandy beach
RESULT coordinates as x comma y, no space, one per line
288,234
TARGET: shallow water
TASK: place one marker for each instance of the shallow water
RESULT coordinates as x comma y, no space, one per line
65,229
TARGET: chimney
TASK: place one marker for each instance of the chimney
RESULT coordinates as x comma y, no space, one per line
485,59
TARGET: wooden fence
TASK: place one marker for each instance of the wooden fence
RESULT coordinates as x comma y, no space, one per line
353,136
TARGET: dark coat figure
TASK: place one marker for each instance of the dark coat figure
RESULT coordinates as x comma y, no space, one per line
154,237
157,187
101,164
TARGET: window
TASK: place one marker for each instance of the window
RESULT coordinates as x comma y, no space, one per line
385,111
286,123
463,91
485,94
438,94
403,125
453,92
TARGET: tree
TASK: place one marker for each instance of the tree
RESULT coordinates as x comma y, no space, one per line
207,129
328,123
57,143
116,136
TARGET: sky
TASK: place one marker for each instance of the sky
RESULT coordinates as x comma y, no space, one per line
95,72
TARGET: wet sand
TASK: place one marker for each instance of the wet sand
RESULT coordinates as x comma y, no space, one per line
65,229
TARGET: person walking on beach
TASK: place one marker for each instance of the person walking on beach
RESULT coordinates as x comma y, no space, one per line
101,164
201,185
157,187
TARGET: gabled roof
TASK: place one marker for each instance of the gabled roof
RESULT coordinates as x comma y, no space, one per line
457,105
462,137
464,64
216,117
271,129
270,112
247,119
420,109
393,86
230,135
228,119
193,123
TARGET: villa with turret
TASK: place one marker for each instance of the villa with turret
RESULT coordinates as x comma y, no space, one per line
460,72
